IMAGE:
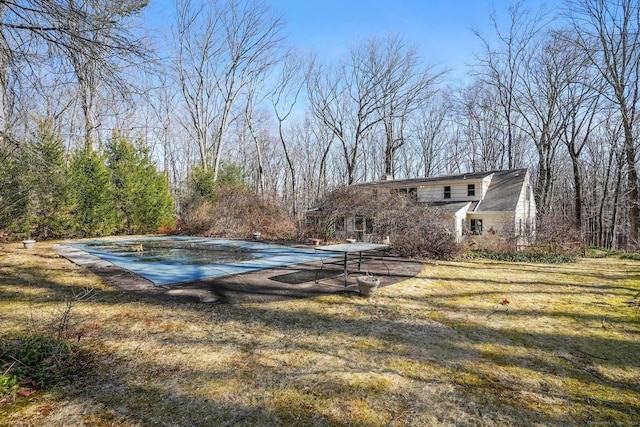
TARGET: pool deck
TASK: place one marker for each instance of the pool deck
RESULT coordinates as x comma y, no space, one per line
268,285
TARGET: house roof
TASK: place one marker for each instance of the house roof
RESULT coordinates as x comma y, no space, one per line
451,208
503,192
501,196
401,183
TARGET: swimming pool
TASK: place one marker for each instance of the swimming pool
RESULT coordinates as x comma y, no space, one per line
173,259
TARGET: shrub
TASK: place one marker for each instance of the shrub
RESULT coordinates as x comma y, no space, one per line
557,241
238,212
559,234
598,252
522,256
631,255
436,244
42,360
416,230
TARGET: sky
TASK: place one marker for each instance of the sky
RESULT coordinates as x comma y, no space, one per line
440,30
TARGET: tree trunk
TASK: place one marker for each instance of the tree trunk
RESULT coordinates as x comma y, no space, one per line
632,182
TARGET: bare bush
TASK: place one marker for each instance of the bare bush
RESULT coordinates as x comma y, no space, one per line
558,234
419,231
238,213
415,229
347,202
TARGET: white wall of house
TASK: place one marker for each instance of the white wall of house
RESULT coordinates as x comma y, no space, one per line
486,181
492,222
525,215
460,222
459,192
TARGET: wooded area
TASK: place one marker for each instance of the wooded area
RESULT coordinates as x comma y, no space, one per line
94,107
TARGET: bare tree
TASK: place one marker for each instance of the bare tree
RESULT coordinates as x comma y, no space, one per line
502,66
580,107
283,101
429,128
162,127
195,42
252,118
482,126
404,87
379,83
342,98
544,80
608,32
222,47
604,161
93,38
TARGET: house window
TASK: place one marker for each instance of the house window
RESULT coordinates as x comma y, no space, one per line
411,193
358,224
447,191
476,227
471,190
369,226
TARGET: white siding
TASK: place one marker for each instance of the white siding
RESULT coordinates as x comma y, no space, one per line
486,181
460,222
500,223
525,213
435,193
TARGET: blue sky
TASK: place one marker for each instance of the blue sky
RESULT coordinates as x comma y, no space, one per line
439,29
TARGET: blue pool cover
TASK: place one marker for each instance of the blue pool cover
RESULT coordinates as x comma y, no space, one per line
165,269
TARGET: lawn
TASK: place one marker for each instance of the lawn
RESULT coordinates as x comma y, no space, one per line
464,343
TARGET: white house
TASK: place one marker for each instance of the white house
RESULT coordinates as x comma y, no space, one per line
477,204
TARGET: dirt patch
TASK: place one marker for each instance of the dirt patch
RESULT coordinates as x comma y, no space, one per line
274,284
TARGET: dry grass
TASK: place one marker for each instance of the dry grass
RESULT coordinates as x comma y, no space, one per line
435,350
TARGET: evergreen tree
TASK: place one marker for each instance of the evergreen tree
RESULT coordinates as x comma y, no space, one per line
205,189
14,191
202,186
92,195
142,192
49,212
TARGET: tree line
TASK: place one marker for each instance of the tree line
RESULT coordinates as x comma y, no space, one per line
46,195
555,91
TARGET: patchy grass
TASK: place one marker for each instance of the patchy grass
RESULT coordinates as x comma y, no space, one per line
465,343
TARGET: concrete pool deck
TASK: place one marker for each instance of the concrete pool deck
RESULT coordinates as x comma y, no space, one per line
277,283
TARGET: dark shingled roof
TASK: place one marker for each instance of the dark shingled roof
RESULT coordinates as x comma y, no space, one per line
502,195
399,183
504,191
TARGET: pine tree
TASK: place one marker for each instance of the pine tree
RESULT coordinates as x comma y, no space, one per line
49,213
92,195
142,192
14,192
